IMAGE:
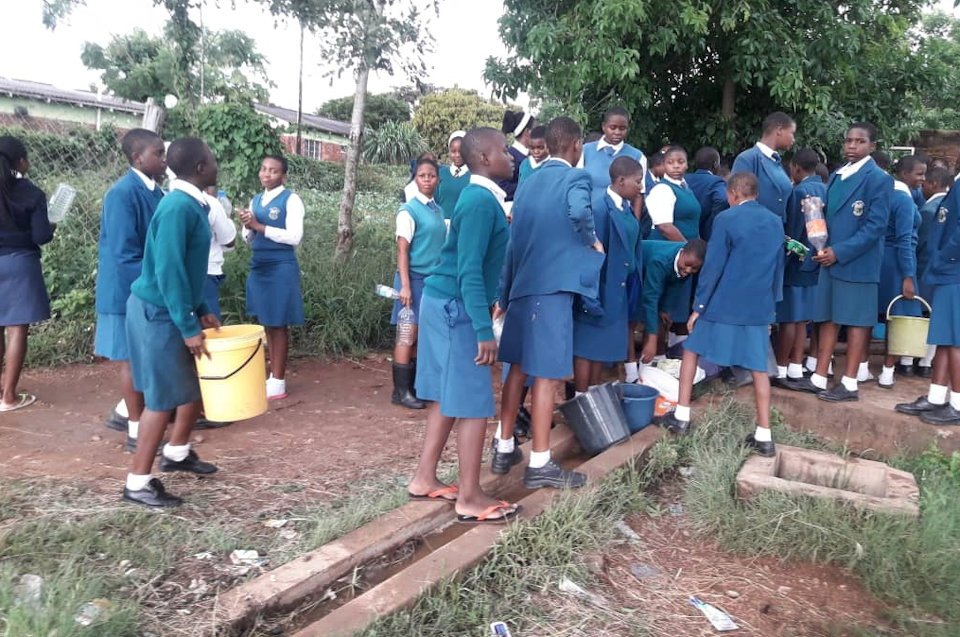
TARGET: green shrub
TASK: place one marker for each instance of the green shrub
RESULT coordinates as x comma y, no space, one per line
392,143
440,114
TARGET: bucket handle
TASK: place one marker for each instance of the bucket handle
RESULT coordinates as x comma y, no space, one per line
915,298
237,370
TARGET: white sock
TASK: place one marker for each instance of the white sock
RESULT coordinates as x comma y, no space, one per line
682,413
863,373
886,375
955,399
133,428
937,394
276,386
631,372
177,453
504,446
906,361
811,363
820,382
539,459
781,371
795,370
121,409
137,482
830,368
499,430
850,384
927,361
762,434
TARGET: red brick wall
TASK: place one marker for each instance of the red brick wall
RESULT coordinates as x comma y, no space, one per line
939,144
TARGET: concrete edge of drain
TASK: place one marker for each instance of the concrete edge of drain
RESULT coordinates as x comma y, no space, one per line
289,584
404,588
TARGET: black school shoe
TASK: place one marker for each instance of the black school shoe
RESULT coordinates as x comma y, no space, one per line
839,394
782,383
553,475
191,464
803,384
765,449
203,423
924,371
521,429
671,423
905,370
917,407
942,416
115,421
153,495
501,463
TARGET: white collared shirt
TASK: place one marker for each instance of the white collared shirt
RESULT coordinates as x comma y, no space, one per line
534,164
676,264
222,233
661,201
935,195
491,185
456,172
147,181
190,189
902,187
766,150
617,199
292,233
406,226
561,160
852,169
520,147
603,143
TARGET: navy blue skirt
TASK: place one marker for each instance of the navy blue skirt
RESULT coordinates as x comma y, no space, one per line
211,293
797,305
446,371
110,338
273,293
416,288
163,368
845,302
538,335
604,344
891,285
23,294
945,318
730,345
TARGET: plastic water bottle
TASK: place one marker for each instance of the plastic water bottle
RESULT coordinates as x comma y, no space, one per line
60,203
816,224
405,326
386,291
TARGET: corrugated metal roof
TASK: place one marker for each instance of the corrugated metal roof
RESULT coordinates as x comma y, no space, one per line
312,121
49,93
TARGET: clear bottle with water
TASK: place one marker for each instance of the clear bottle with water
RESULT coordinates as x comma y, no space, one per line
60,203
406,323
816,224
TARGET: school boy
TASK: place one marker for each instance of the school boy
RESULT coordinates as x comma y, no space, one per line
799,277
128,207
666,265
165,318
709,188
857,210
935,186
453,178
605,338
538,152
941,405
736,302
456,342
763,161
554,255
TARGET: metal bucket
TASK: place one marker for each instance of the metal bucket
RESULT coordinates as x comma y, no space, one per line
596,418
907,335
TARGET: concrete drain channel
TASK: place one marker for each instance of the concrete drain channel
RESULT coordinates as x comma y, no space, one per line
386,565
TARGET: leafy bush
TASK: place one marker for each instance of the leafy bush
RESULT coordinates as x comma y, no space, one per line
380,109
70,150
392,143
442,113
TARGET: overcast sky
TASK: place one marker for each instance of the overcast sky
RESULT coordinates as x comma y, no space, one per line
465,33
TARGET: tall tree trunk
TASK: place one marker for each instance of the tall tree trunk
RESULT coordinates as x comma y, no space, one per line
345,219
729,94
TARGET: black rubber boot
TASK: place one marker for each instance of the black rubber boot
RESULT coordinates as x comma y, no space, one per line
413,378
403,387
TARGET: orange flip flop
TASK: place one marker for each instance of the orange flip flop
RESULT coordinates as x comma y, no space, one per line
438,495
510,512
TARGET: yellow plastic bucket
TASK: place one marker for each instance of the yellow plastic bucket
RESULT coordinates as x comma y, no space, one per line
907,335
233,381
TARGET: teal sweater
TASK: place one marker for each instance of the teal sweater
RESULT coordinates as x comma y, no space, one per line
175,261
472,257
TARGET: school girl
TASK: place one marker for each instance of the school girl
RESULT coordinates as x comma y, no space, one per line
274,228
736,302
708,187
128,207
553,256
24,227
519,124
538,152
763,161
165,318
935,186
898,267
223,238
457,346
421,230
410,190
453,178
857,210
796,308
598,155
604,338
941,405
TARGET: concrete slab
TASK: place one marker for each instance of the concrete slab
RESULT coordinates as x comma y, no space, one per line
290,584
403,589
862,483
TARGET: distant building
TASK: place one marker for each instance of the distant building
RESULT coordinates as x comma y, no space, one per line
45,107
321,137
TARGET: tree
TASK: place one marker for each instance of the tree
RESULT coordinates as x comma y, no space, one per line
361,36
138,66
382,108
939,45
708,71
442,113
